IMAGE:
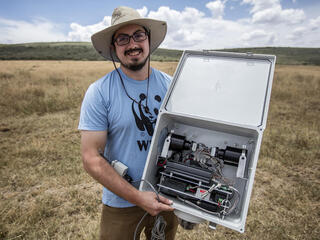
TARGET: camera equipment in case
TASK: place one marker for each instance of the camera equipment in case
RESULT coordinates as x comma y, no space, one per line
206,143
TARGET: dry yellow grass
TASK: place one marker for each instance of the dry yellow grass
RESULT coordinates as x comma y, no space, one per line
45,193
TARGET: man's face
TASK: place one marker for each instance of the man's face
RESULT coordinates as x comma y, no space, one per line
133,55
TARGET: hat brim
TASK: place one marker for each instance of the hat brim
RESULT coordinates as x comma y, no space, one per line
102,40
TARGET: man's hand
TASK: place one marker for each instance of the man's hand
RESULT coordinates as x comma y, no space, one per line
104,173
149,202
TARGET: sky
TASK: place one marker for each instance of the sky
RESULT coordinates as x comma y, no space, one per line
192,24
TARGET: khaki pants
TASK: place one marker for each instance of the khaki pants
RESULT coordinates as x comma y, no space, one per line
120,223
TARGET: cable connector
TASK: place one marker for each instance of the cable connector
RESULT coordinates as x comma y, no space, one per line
120,168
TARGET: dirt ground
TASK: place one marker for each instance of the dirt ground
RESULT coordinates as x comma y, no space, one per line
46,194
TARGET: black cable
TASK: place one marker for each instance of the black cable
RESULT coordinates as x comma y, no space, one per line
149,60
160,224
196,206
121,79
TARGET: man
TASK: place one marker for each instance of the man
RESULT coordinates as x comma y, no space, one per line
117,119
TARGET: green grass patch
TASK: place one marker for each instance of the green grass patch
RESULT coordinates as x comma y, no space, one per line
85,51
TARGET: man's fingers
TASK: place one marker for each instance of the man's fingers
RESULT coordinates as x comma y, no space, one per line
165,207
165,200
152,204
165,204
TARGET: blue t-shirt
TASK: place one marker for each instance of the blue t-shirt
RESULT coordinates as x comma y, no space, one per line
130,128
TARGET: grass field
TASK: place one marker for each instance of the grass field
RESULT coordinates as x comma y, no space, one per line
46,194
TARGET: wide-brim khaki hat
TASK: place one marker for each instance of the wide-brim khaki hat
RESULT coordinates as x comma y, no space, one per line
122,16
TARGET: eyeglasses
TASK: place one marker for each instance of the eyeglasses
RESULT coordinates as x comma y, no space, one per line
124,39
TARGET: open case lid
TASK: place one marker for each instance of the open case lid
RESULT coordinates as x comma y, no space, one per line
230,87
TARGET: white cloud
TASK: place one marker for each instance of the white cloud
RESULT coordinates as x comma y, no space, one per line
259,36
276,16
271,12
259,5
267,25
206,32
216,8
83,33
143,11
39,30
192,29
315,23
293,16
305,35
188,16
297,33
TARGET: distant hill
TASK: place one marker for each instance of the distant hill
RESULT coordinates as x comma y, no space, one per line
286,55
68,51
85,51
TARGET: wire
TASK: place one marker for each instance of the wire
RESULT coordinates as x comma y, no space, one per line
196,206
135,231
157,232
224,203
160,224
213,187
231,209
150,185
122,83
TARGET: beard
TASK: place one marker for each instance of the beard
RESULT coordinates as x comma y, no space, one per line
135,66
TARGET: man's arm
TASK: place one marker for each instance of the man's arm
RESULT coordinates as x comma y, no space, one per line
94,141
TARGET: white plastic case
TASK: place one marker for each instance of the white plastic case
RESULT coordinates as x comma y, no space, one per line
219,99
